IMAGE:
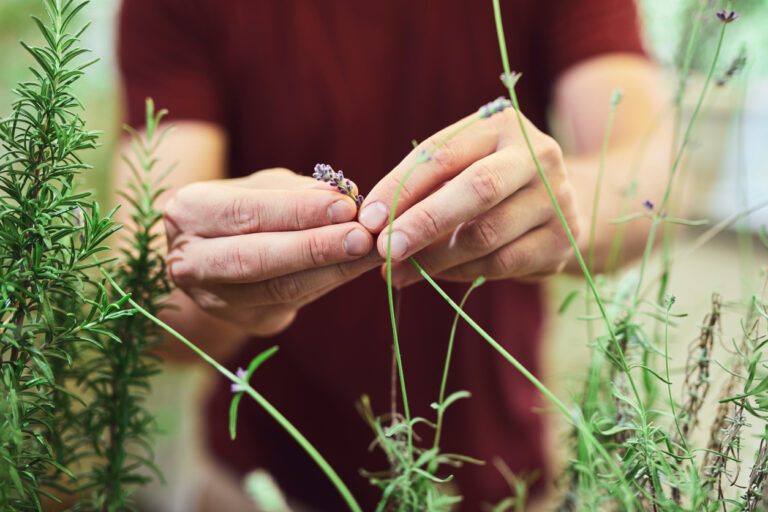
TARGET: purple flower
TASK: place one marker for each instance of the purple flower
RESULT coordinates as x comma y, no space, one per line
648,204
727,16
241,374
326,174
493,107
78,216
423,156
509,80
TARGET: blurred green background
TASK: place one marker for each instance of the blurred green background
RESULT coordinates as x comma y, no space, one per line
98,88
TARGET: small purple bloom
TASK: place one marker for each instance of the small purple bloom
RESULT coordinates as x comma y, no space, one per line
78,216
648,204
727,16
493,107
509,80
241,374
423,156
325,173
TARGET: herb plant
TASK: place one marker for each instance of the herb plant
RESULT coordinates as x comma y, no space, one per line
77,334
73,362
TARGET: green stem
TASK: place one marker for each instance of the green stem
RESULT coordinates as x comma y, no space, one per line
390,297
596,204
528,375
657,217
441,398
558,210
669,382
282,420
598,185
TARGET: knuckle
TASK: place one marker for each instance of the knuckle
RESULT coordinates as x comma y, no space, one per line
428,223
318,250
508,262
550,154
445,156
179,271
243,216
487,184
234,262
479,235
282,290
406,194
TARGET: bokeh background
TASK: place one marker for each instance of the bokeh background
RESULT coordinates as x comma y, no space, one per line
725,171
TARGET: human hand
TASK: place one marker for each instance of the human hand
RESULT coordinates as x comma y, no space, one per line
477,207
255,250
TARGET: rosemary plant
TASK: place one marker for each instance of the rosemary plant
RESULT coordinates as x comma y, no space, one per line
116,374
49,234
71,358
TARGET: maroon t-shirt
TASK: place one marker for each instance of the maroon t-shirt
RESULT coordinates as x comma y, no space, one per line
351,83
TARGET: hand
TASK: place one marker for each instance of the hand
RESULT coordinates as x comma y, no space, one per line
255,250
477,207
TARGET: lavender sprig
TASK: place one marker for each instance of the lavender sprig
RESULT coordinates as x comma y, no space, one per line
242,375
727,16
325,173
493,107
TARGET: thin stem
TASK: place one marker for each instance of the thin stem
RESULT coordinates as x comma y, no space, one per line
558,210
596,203
390,298
657,217
282,420
598,185
669,382
528,375
451,338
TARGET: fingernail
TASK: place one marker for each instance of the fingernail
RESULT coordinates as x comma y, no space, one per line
340,211
355,243
398,245
373,216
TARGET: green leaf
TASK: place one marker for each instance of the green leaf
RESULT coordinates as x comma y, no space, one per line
567,301
258,360
233,415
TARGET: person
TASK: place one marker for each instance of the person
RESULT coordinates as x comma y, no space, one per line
260,92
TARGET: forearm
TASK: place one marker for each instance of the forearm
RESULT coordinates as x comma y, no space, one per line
637,155
632,174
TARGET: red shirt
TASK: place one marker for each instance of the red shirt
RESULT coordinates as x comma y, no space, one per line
351,83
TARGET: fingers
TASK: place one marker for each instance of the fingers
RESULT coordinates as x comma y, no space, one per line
540,252
214,209
520,213
295,289
260,256
448,160
480,187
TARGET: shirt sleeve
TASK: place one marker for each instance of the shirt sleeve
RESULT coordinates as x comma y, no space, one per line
166,51
576,30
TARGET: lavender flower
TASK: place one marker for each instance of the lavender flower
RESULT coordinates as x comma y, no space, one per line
326,174
241,374
648,204
510,79
736,65
423,157
727,16
493,107
78,216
